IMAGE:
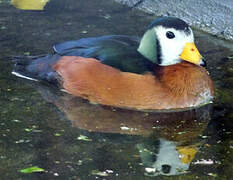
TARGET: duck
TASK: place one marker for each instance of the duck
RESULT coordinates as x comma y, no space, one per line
163,70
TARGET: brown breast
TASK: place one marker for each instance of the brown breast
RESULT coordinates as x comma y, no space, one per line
176,86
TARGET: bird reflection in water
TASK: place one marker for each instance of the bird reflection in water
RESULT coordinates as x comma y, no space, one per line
172,138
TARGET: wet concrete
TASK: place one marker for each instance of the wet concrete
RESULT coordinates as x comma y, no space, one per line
72,139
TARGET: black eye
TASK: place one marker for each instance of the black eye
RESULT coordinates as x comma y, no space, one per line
166,168
170,35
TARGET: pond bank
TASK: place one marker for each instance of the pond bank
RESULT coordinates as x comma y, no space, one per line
211,16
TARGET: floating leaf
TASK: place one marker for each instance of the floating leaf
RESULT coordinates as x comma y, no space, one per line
83,138
212,174
99,173
32,170
28,129
57,134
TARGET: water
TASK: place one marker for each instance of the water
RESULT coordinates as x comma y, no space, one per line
72,139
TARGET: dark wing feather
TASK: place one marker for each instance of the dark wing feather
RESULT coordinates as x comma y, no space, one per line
117,51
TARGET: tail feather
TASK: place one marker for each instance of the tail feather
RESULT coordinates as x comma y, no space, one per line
21,62
37,68
22,76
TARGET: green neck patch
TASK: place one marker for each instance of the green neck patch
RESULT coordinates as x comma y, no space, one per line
148,46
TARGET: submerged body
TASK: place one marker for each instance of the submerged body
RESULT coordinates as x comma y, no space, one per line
127,72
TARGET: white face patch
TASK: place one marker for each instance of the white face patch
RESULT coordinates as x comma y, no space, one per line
172,48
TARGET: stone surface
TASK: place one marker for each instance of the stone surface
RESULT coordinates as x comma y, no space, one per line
213,16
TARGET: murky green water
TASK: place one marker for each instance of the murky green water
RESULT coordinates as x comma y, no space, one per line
72,139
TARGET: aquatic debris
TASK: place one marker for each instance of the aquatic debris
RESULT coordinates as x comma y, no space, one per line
203,161
230,57
125,128
16,120
56,174
107,16
57,134
32,129
84,32
83,138
101,173
32,169
27,53
204,137
22,141
28,129
109,171
212,174
207,145
80,162
3,27
150,170
3,157
180,133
